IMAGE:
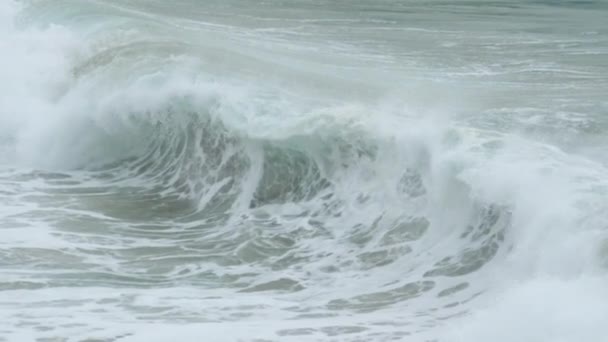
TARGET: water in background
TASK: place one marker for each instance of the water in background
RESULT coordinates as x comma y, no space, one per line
303,170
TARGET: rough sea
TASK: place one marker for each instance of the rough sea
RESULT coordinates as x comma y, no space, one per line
303,170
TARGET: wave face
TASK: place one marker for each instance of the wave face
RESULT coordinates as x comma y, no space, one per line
303,171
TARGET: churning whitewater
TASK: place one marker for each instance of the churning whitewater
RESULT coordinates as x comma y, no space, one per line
303,170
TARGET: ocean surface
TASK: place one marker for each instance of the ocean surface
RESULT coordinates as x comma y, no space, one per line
303,170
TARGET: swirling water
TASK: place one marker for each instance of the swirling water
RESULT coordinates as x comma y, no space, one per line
303,170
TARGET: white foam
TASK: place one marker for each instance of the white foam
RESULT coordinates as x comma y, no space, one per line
539,309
